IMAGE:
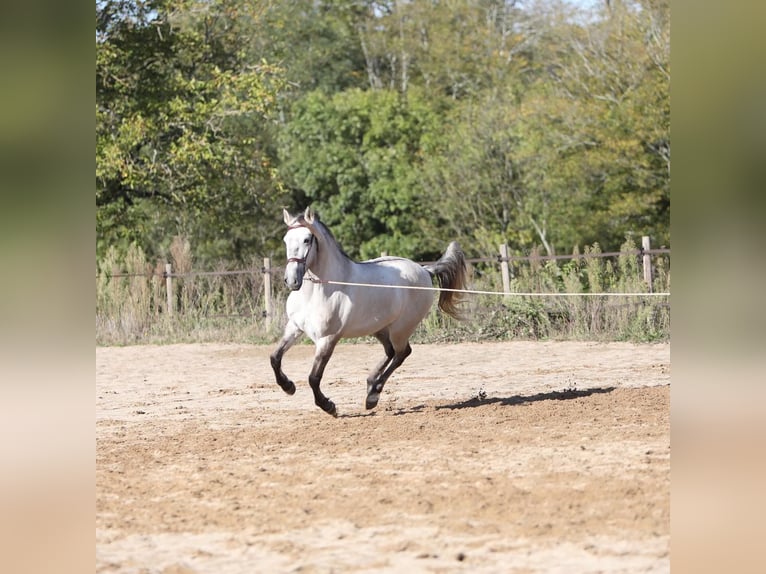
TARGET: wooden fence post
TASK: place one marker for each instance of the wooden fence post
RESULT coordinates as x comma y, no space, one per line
504,268
267,289
169,287
646,246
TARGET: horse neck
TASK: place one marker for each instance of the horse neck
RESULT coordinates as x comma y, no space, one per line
330,262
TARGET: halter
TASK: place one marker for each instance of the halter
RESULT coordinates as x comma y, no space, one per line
311,243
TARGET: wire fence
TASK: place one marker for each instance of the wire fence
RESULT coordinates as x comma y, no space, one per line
579,293
471,260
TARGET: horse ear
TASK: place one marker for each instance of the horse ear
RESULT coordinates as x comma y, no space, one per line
308,215
286,216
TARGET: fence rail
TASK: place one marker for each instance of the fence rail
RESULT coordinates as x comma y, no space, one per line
505,261
512,258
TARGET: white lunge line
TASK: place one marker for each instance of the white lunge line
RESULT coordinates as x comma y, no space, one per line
477,292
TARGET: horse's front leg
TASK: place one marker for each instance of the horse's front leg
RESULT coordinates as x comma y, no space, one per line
290,336
324,350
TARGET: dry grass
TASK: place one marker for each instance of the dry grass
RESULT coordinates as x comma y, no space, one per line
131,305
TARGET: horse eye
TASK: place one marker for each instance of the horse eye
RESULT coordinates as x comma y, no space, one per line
307,240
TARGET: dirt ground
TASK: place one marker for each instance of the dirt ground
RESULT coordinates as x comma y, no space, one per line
493,457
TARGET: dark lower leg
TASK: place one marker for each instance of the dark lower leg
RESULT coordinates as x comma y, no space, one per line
324,352
282,380
276,362
376,373
320,399
375,386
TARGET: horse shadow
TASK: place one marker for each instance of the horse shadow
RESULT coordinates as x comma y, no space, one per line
515,400
478,401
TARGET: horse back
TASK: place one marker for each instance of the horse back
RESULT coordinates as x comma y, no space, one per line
392,271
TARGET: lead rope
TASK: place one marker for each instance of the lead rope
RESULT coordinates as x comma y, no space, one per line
315,279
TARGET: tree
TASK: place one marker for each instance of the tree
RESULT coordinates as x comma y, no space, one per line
406,124
315,42
613,85
572,151
181,146
453,49
356,156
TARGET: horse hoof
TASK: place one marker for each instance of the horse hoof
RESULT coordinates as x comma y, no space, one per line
330,409
288,387
372,401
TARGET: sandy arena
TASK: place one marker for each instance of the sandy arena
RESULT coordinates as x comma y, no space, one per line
497,457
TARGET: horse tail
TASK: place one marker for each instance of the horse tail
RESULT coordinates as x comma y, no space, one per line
450,273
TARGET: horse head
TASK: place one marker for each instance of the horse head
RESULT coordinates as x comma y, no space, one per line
300,243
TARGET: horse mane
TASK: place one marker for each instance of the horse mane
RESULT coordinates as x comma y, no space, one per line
328,235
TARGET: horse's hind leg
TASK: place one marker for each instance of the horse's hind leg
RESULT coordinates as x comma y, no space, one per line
291,334
385,340
375,384
324,349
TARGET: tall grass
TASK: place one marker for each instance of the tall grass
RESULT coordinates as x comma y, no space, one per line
131,305
590,318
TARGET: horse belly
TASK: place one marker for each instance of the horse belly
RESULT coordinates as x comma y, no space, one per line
363,322
402,309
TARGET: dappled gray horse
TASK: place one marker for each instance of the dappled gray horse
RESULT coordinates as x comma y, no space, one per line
327,312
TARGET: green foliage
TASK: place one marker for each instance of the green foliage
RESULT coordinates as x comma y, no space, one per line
404,124
576,153
356,157
317,41
180,141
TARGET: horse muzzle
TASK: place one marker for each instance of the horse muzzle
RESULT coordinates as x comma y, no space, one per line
294,272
